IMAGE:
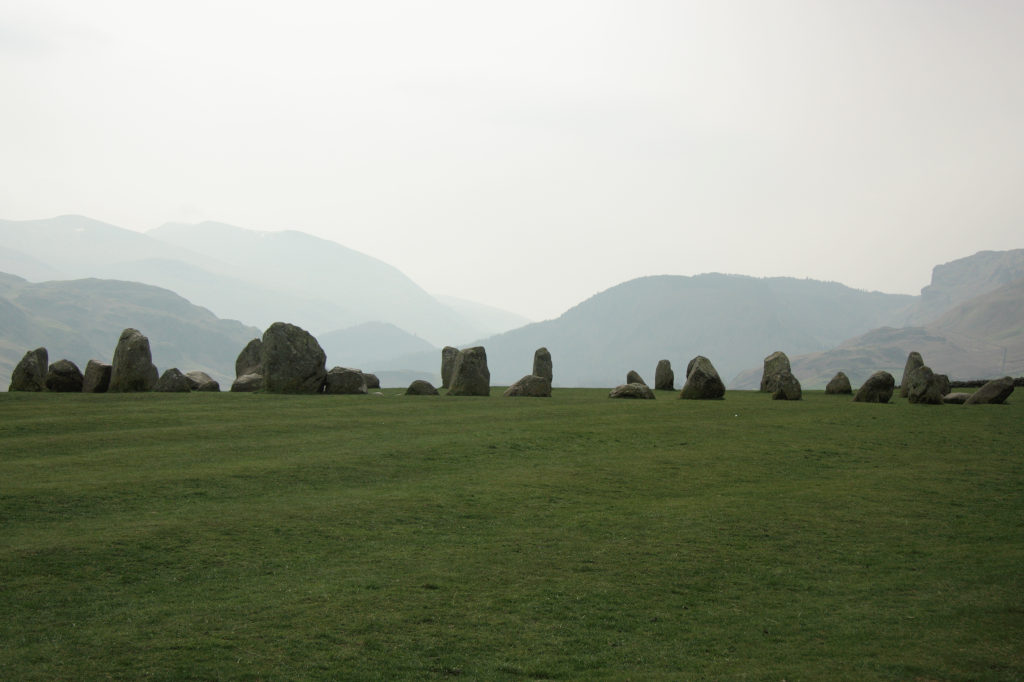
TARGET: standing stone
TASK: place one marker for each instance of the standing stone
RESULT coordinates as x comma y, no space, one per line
664,377
132,370
250,359
530,386
172,381
914,360
944,385
448,355
247,383
702,381
877,389
633,377
201,381
421,387
64,377
776,363
924,387
785,386
637,391
994,392
30,373
292,360
542,366
96,378
470,375
345,381
372,380
839,385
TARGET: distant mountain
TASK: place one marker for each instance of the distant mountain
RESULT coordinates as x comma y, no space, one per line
966,278
492,320
371,346
82,320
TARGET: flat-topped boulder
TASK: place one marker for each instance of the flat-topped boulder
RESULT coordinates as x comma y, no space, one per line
664,377
345,381
542,366
702,381
994,392
448,355
785,386
774,364
64,376
132,369
470,375
30,372
877,389
96,378
247,383
633,377
957,398
530,386
201,381
634,391
924,387
839,385
172,381
292,360
421,387
914,361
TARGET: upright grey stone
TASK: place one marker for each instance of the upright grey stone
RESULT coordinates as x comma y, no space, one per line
635,391
664,377
776,363
372,380
944,384
914,360
172,381
64,377
448,355
877,389
785,386
132,369
924,387
530,386
201,381
96,378
542,366
633,377
345,381
292,360
250,360
247,383
992,393
839,385
702,381
470,375
30,372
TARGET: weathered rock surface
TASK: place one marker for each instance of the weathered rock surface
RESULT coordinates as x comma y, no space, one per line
664,377
702,381
96,378
785,386
530,386
201,381
172,381
250,359
345,381
877,389
470,375
448,355
914,360
924,387
638,391
247,383
542,366
839,385
64,377
774,364
372,380
944,384
633,377
30,372
132,370
292,360
992,393
421,387
955,398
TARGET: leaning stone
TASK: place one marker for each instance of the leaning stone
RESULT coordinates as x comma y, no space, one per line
249,360
664,377
877,389
421,387
201,381
448,355
96,378
839,385
530,386
372,381
994,392
542,366
292,360
955,398
776,363
30,372
247,383
345,381
172,381
132,370
924,387
639,391
785,386
470,375
702,381
914,360
633,377
64,377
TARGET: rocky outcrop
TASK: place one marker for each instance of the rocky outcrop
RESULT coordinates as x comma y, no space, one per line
530,386
636,391
992,393
30,372
924,387
250,359
470,375
776,363
914,361
345,381
785,386
542,366
96,378
448,355
201,381
839,385
877,389
247,383
172,381
633,377
132,370
64,377
421,387
291,360
664,377
702,381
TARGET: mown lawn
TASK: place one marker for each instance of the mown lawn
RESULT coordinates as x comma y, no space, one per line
239,536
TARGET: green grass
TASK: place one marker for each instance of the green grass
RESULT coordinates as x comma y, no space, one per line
258,537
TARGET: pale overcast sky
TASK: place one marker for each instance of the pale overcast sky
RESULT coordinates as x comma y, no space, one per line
529,154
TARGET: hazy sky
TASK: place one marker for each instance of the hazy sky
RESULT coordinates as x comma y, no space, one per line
529,154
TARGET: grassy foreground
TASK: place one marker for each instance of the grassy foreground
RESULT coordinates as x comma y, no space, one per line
240,536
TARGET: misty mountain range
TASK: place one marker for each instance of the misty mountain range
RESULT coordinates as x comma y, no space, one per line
367,314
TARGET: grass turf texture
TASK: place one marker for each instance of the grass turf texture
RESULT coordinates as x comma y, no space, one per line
242,536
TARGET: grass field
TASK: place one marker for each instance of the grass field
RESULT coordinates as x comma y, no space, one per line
259,537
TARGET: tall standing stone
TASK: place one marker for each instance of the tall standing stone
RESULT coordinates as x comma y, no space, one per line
64,377
132,369
776,363
448,355
914,360
30,372
664,377
96,378
924,387
292,360
542,366
470,375
877,389
702,381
